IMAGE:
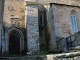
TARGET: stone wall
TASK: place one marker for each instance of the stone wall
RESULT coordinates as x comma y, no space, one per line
62,22
32,28
77,38
42,27
14,13
1,21
59,24
66,2
51,41
70,43
14,18
64,56
62,45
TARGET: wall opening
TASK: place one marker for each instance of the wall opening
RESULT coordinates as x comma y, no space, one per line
73,20
14,40
14,43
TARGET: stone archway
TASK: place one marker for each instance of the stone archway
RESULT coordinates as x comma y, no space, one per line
19,33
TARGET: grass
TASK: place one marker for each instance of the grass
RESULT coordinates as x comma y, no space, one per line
22,56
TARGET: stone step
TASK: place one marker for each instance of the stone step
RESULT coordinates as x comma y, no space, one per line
74,49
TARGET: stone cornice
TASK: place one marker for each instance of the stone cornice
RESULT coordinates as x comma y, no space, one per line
66,2
31,1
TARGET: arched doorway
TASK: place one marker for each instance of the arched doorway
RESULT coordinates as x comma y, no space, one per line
14,43
10,36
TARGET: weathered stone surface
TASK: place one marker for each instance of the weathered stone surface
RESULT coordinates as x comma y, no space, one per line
77,38
58,25
62,59
66,2
50,29
78,58
13,19
32,28
62,45
14,13
58,22
62,24
1,21
42,28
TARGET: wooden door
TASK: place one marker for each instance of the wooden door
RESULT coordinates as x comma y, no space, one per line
14,43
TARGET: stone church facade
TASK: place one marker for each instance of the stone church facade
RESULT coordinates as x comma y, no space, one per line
35,25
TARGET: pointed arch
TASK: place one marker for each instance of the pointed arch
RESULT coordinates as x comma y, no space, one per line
19,33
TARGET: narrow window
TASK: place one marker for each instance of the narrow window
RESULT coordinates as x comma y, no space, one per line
74,23
41,20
